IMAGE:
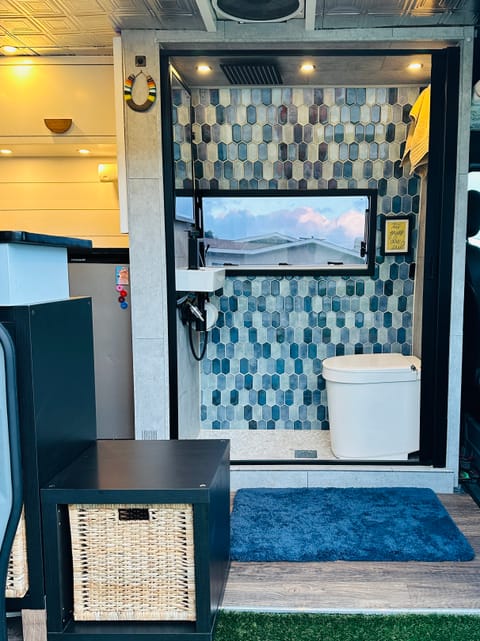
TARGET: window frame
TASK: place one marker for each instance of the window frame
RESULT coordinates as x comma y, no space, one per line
349,270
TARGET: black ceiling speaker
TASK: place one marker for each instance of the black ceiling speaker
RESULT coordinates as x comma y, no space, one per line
258,10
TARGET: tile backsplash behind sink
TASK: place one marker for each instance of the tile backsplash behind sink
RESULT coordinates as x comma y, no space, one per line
262,369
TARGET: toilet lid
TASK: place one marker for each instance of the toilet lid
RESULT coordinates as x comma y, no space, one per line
371,368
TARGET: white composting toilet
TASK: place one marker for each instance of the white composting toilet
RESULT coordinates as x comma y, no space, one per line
373,405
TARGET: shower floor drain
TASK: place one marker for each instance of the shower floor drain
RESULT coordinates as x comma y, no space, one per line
305,453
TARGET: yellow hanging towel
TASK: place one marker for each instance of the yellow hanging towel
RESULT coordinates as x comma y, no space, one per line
416,146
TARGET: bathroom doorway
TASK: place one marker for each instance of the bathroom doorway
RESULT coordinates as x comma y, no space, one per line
262,387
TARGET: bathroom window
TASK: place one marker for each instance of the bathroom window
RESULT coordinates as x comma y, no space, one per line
330,231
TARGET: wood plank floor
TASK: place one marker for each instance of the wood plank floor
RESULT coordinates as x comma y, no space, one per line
365,587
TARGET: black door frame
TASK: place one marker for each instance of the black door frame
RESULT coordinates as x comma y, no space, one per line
440,220
440,214
169,199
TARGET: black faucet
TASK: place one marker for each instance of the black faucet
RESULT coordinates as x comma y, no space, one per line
193,249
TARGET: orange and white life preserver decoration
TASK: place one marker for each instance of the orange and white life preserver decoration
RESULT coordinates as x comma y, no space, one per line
128,89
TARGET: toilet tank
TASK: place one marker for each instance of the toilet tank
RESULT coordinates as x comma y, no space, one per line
373,405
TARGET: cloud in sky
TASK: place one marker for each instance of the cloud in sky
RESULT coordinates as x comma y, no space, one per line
347,226
339,221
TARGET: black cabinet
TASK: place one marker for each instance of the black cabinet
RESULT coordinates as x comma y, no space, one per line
56,395
104,509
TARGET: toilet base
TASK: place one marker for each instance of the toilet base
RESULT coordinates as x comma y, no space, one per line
397,456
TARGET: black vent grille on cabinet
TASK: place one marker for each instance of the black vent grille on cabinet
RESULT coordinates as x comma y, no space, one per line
252,73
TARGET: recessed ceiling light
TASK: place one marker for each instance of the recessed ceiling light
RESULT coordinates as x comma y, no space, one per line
414,66
307,67
9,49
203,68
6,152
84,152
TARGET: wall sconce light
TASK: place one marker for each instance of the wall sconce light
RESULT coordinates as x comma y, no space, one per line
107,172
58,125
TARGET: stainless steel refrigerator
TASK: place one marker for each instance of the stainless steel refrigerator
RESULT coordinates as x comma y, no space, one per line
103,274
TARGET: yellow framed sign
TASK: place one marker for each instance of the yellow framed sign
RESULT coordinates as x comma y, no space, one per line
396,235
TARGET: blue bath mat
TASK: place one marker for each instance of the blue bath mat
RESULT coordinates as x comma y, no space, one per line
348,524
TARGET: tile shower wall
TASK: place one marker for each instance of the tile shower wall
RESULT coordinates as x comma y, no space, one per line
263,367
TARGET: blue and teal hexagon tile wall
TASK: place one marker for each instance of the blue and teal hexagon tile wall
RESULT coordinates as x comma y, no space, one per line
263,367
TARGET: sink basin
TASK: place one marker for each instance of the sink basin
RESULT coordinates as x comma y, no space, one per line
205,279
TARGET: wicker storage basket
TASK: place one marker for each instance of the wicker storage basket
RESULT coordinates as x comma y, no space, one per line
133,562
17,574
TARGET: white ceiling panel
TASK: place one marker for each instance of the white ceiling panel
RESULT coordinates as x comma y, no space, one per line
106,17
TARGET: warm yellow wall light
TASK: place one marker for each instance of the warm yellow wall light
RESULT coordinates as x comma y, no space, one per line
203,68
84,152
6,152
414,66
9,49
107,172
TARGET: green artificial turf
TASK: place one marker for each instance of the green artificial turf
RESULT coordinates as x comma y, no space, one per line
249,626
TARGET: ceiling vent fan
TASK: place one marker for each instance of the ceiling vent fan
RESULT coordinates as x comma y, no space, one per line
258,10
251,73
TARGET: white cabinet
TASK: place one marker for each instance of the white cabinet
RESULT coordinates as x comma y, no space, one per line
79,88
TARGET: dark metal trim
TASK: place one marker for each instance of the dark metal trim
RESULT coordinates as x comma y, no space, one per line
169,200
332,462
305,50
438,256
15,469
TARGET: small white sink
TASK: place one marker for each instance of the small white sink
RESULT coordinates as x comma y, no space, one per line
205,279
